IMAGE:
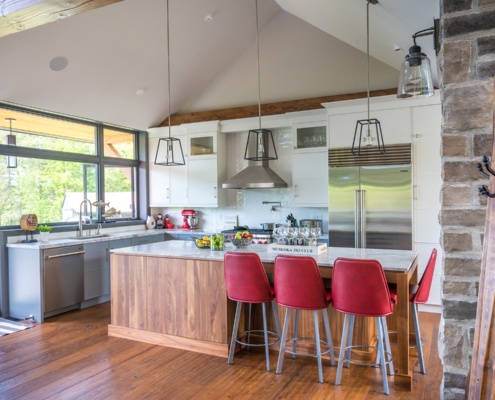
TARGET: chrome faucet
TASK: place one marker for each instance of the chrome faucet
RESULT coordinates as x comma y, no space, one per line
80,232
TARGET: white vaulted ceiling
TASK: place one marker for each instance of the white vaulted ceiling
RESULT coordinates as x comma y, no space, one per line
308,48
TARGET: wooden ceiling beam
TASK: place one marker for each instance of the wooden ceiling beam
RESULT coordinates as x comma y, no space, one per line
270,109
26,14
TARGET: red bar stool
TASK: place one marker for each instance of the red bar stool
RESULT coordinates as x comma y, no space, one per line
298,285
246,282
359,288
419,295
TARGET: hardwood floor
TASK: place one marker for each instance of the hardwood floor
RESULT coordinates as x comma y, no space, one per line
71,357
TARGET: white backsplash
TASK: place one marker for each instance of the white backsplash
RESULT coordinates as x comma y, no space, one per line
247,205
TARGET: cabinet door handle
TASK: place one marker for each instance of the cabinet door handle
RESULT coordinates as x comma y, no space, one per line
74,253
295,190
167,193
415,192
215,192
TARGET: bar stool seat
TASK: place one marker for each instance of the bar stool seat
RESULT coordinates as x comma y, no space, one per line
359,288
299,285
246,282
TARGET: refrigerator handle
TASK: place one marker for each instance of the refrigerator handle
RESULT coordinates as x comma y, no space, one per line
357,218
363,219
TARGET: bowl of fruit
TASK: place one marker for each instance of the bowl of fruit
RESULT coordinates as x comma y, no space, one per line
202,242
242,239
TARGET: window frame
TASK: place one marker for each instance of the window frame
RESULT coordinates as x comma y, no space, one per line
98,159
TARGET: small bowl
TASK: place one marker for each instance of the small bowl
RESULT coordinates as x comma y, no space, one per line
240,243
170,226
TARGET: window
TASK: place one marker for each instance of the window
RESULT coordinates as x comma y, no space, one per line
61,161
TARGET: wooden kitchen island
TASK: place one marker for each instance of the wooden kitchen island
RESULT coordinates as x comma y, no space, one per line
173,294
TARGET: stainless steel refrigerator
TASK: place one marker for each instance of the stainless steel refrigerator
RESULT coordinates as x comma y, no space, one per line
370,206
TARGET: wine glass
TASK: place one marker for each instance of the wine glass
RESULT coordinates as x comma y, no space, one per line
315,233
291,234
304,232
278,234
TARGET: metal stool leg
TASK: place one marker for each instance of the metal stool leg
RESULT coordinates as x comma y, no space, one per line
235,329
318,345
265,334
249,326
417,333
343,343
276,318
388,348
382,354
282,342
329,335
294,343
349,341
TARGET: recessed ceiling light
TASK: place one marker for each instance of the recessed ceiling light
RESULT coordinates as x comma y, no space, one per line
139,92
208,18
58,63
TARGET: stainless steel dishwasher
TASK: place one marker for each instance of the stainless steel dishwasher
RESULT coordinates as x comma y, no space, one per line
63,277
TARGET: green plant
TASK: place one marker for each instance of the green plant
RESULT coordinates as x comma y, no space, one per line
44,228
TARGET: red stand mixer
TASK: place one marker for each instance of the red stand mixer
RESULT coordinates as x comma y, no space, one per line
191,221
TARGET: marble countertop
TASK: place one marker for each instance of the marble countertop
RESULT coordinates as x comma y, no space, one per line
391,260
71,238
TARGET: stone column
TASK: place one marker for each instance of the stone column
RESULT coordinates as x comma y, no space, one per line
468,67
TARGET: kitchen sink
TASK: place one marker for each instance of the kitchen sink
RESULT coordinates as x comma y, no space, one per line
88,237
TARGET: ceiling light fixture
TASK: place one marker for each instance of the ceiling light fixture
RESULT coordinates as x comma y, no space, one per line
11,140
259,140
415,74
169,155
371,126
208,18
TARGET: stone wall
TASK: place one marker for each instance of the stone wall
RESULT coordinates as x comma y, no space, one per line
467,66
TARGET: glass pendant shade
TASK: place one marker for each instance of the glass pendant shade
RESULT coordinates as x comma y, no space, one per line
415,78
169,152
260,146
368,137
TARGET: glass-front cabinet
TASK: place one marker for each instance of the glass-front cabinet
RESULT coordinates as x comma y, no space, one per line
310,135
202,145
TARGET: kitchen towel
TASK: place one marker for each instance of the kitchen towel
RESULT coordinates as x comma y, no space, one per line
8,326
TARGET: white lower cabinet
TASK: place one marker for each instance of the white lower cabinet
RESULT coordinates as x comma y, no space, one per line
310,179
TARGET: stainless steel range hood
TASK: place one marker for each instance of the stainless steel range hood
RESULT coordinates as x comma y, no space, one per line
259,176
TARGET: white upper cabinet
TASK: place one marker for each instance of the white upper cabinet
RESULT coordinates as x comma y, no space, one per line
310,164
202,145
310,136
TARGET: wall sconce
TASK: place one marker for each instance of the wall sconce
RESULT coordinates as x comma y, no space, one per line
415,74
11,140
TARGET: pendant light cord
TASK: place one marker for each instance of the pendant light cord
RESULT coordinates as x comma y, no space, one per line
258,65
368,54
168,69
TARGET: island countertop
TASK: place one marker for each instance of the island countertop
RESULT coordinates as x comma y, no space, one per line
391,260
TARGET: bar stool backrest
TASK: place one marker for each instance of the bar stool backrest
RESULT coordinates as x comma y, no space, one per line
298,283
359,287
245,278
423,293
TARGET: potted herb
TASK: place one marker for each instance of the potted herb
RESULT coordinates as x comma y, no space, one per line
44,232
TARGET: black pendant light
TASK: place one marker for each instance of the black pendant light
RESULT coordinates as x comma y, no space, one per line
11,140
260,143
368,131
415,78
169,150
